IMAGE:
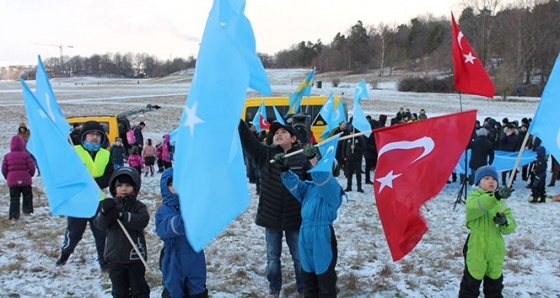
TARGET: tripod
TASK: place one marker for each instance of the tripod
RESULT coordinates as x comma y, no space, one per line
462,194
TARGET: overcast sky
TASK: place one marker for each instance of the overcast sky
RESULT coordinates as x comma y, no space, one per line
173,28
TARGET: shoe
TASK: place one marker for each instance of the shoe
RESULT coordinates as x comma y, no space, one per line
360,190
551,184
448,182
348,189
542,200
369,182
61,261
274,294
104,267
152,174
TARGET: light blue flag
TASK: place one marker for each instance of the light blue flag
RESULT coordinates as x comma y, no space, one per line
326,111
359,120
304,89
503,160
339,114
278,116
546,123
47,100
70,189
260,120
173,137
208,142
328,151
360,92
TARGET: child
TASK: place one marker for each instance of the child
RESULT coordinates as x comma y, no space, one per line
118,153
159,147
18,168
126,270
538,191
149,155
485,249
317,245
135,160
183,269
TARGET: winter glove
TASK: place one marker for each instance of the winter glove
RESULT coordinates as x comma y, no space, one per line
107,206
500,219
310,151
503,192
281,161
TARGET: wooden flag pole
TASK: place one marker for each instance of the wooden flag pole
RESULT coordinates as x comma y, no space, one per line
324,142
510,181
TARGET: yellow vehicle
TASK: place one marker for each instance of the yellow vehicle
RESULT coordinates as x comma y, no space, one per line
308,116
115,126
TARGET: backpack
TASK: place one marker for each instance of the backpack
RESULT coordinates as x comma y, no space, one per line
130,138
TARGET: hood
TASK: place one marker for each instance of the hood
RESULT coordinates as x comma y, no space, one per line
541,152
168,198
125,171
17,144
166,138
93,126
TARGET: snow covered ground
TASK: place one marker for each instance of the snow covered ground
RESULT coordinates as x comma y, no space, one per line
236,260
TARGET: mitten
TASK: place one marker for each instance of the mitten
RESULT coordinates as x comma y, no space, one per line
281,162
310,151
107,206
503,192
500,219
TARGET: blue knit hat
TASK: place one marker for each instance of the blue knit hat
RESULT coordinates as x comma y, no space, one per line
485,171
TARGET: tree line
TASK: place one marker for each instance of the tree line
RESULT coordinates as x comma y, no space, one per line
518,44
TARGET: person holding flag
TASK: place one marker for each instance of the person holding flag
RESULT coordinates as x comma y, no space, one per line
99,163
320,199
278,211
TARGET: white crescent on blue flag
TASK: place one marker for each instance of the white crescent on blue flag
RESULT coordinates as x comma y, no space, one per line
277,115
326,111
70,189
328,151
210,175
546,122
47,100
339,114
360,92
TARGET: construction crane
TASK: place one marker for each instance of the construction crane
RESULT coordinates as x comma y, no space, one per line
60,47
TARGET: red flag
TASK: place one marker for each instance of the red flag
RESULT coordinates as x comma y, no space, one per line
264,124
469,74
414,163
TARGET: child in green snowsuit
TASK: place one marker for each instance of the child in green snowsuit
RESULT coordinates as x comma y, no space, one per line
485,249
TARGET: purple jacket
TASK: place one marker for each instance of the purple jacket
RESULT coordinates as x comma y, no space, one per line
17,166
135,160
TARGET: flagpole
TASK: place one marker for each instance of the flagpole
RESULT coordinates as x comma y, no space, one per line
325,141
512,175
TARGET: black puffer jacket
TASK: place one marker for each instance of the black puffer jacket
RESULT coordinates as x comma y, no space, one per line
277,209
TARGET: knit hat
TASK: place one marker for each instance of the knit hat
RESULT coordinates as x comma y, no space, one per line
485,171
122,175
482,132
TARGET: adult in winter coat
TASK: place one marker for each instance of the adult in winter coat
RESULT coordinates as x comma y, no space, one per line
126,269
508,142
99,164
166,152
320,200
485,248
183,269
482,152
139,136
353,154
278,211
18,168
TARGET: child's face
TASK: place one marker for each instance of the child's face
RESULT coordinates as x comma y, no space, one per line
124,189
488,183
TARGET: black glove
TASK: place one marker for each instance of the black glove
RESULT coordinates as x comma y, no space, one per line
503,192
281,161
310,151
500,219
107,206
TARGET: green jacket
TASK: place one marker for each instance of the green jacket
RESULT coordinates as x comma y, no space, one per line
486,247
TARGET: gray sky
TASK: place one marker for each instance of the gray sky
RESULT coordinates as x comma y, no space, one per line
173,28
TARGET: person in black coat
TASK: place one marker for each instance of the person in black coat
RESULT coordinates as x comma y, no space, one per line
482,152
370,153
508,142
278,211
353,153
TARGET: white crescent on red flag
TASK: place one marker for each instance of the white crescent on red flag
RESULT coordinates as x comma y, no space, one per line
469,74
263,122
414,162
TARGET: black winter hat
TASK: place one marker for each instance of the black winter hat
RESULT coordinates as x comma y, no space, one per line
90,126
276,125
124,175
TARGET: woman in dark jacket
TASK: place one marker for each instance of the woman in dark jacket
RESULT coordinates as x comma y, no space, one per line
18,168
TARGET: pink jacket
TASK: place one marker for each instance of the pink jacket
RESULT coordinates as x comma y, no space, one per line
135,160
17,166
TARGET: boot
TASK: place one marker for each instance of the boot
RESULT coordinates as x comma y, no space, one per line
62,259
542,200
146,175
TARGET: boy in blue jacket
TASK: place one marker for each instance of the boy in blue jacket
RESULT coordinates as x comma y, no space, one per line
317,245
183,269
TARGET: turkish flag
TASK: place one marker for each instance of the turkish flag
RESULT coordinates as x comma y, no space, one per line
264,124
469,74
414,162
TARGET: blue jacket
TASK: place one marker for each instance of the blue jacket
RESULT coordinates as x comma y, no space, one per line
320,200
182,268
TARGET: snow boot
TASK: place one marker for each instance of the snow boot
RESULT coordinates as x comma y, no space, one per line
62,259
